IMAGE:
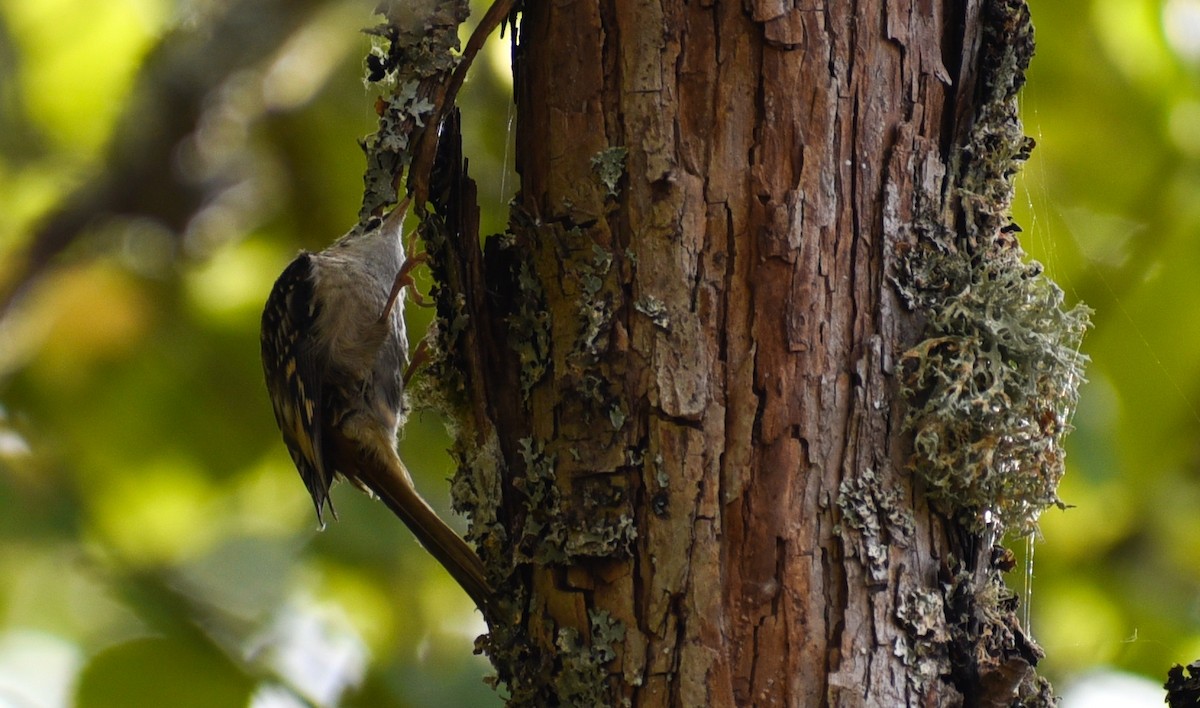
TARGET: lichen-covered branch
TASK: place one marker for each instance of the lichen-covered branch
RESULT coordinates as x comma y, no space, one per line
413,57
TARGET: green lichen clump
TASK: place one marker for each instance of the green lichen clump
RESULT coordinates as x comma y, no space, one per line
880,517
922,647
609,165
529,329
542,539
575,674
993,384
584,679
595,304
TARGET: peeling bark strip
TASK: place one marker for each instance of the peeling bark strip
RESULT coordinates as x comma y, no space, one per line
677,376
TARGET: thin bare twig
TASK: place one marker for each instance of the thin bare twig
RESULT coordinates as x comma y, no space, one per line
422,162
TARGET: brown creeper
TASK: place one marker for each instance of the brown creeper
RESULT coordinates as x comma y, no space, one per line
334,350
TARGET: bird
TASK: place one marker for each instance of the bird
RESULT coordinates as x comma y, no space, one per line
334,350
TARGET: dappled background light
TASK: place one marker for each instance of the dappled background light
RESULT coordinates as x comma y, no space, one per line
1110,203
156,545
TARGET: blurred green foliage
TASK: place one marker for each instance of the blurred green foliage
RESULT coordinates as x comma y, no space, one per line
1110,203
156,545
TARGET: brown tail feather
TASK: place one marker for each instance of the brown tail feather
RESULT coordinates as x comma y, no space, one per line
389,479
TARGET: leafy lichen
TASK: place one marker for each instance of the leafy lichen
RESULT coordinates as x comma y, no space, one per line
595,303
655,309
991,657
477,483
609,165
414,49
529,328
542,539
574,674
584,679
993,385
591,525
879,516
994,382
923,646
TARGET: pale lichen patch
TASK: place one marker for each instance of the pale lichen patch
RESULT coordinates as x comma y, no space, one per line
609,165
879,517
923,646
584,680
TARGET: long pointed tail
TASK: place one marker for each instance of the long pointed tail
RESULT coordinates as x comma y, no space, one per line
442,542
388,478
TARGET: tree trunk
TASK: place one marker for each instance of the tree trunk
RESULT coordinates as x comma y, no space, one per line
742,273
